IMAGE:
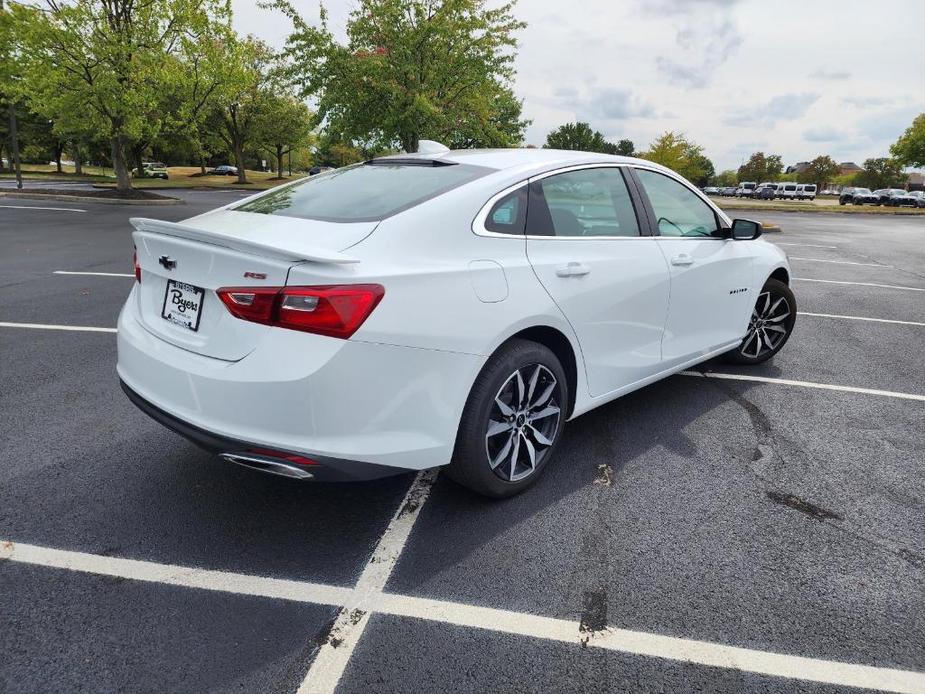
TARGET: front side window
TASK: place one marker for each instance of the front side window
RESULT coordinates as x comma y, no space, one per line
678,210
365,192
586,202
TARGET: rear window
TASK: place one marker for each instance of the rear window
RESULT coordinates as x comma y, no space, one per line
365,192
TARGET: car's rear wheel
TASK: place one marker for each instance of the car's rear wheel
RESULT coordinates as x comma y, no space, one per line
512,421
770,325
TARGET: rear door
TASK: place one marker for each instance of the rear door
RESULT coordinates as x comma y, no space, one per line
711,277
585,244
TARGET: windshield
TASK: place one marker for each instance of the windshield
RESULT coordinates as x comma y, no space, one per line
365,192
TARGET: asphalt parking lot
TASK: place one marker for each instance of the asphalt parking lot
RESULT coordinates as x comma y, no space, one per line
756,530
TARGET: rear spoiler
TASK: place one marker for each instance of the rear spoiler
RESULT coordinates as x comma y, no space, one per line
290,250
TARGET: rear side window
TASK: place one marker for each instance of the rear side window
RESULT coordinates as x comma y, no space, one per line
365,192
509,214
586,202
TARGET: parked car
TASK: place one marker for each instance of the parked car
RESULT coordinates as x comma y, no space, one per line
864,196
846,195
323,331
885,194
711,190
829,191
787,190
806,191
918,196
154,169
727,192
900,198
315,170
225,170
766,192
745,190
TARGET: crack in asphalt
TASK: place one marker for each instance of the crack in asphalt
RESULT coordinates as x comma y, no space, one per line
767,448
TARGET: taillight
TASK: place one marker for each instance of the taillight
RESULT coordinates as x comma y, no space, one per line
137,266
335,311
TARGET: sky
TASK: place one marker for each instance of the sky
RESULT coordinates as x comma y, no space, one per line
789,77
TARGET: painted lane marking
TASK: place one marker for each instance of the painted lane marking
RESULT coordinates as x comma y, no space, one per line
472,616
805,245
331,660
838,262
874,320
32,207
96,274
42,326
863,284
803,384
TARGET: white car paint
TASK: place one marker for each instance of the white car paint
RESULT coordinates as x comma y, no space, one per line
633,310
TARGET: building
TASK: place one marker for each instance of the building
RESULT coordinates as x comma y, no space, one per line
849,167
915,181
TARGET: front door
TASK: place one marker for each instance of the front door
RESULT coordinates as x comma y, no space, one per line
711,276
611,282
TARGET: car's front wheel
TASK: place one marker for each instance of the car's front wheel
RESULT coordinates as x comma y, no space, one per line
770,325
512,421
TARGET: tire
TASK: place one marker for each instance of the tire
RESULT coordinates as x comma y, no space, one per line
497,397
841,202
767,316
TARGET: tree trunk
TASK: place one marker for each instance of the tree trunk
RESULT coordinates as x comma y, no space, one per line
78,164
58,149
202,165
279,161
14,145
1,148
123,182
409,142
239,161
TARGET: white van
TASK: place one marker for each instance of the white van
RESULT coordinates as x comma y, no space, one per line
806,191
787,190
746,189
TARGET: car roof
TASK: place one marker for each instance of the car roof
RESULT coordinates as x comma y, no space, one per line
525,158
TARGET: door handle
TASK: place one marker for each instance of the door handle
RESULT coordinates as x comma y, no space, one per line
682,259
572,269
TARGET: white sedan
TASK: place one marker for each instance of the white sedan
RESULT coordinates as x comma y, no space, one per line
452,308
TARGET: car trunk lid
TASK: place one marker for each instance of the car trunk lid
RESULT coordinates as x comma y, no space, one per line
183,264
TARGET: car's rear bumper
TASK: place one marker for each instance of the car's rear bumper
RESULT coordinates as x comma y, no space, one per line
327,469
348,402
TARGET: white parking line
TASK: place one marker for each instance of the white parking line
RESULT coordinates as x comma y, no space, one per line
838,262
873,320
331,661
42,326
804,245
32,207
371,598
863,284
97,274
803,384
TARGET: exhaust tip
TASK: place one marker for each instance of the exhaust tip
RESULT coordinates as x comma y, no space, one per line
269,465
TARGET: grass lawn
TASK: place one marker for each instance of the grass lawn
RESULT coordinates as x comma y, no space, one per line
180,177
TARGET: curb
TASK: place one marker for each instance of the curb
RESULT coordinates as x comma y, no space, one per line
85,198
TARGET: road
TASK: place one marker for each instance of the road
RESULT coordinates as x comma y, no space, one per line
698,514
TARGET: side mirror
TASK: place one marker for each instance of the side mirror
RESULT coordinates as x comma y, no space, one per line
745,229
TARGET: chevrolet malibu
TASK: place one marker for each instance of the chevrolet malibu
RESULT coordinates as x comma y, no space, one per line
453,309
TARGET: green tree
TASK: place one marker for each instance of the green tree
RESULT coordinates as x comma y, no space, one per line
881,173
821,170
252,82
283,124
103,62
909,149
725,178
577,136
410,70
761,167
679,154
625,148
